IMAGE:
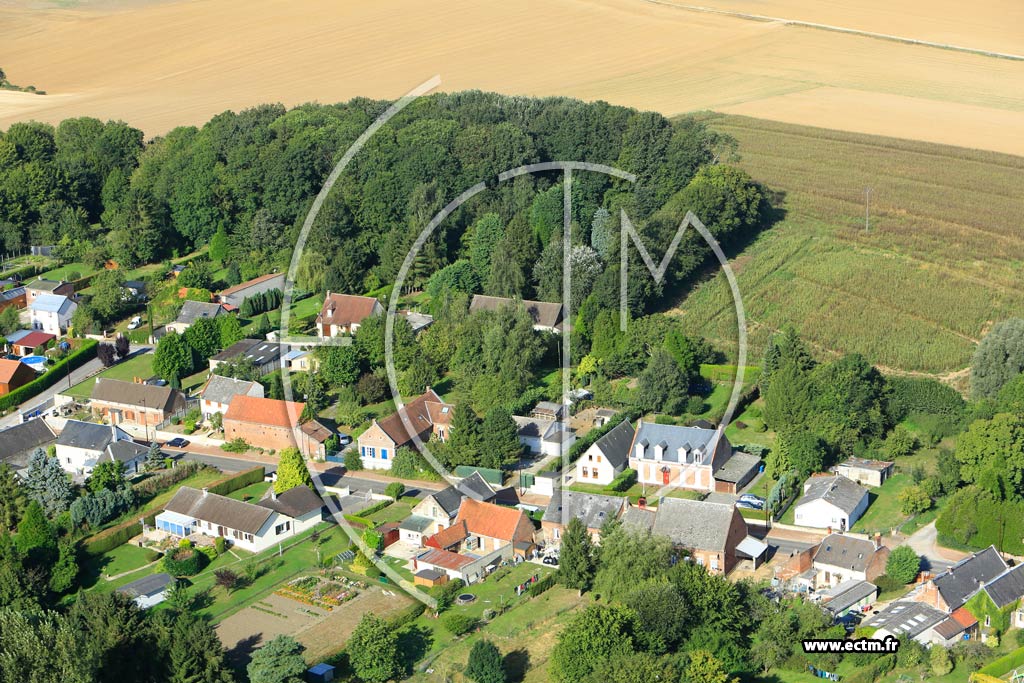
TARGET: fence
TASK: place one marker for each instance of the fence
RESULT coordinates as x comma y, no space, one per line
190,404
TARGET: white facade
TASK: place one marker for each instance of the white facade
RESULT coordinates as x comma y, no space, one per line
593,467
53,322
82,461
822,514
277,528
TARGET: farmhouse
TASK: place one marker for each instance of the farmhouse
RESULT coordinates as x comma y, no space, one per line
711,532
1001,595
134,403
840,558
83,445
51,313
592,509
546,316
263,422
192,311
14,374
424,416
831,502
686,457
44,287
27,343
253,527
18,443
607,457
343,313
234,296
866,472
264,355
219,391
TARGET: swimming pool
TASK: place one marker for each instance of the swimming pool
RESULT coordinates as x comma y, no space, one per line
34,360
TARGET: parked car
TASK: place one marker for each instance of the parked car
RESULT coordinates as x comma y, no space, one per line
749,506
135,323
177,442
550,559
751,498
344,439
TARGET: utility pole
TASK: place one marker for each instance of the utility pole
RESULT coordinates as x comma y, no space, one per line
867,208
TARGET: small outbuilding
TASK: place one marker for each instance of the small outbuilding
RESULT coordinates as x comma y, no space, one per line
320,673
149,590
429,578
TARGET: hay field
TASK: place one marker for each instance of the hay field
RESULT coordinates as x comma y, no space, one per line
161,64
943,258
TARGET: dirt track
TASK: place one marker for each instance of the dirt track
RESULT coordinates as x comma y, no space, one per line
158,65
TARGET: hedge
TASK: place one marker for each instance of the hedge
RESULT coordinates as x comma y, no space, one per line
585,442
238,481
58,371
376,507
623,482
115,536
1005,664
542,585
184,566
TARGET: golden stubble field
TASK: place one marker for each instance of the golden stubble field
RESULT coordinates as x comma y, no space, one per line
162,64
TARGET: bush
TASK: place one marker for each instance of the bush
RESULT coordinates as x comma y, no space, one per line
395,489
446,593
238,445
220,544
909,395
459,624
184,562
903,564
623,482
116,536
544,584
353,463
887,584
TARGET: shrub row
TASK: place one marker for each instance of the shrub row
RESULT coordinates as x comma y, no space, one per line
115,536
1005,664
150,486
623,482
239,481
375,508
543,584
76,359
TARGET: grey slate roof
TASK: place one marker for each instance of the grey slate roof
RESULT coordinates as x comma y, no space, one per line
86,435
847,594
192,311
637,519
694,523
737,467
295,502
840,550
223,389
542,313
22,439
220,510
416,524
844,493
911,618
614,445
146,586
1007,587
475,487
958,583
449,499
672,438
259,351
864,464
126,451
591,508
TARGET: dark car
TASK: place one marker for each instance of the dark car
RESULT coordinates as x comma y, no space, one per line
749,506
177,443
551,559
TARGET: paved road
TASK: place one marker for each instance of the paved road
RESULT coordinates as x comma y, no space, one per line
934,558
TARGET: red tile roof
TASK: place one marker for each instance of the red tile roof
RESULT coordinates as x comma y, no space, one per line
445,559
10,370
422,412
345,309
490,520
34,339
266,411
446,538
963,617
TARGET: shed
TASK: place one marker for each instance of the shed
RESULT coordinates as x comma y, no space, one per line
429,578
149,590
320,673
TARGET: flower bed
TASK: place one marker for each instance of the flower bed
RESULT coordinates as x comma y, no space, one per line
324,591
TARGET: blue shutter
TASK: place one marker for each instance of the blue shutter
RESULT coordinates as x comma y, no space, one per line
383,454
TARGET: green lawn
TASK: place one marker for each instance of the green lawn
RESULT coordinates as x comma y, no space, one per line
395,512
754,431
252,492
119,560
62,273
883,512
137,366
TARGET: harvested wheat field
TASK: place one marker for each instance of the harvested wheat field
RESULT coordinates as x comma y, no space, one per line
158,65
912,291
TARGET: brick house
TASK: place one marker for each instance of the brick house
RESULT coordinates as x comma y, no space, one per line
41,287
428,415
263,422
840,558
482,528
343,313
594,510
218,393
144,404
686,457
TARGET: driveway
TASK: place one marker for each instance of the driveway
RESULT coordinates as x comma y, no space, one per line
924,541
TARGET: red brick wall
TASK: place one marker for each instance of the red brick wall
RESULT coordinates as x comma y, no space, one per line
263,436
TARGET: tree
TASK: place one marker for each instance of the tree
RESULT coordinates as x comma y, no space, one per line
226,579
485,663
998,358
219,245
229,330
108,300
903,564
291,471
395,490
995,448
598,633
108,474
196,275
36,538
339,365
13,500
576,560
106,354
662,383
203,337
154,457
601,237
800,450
48,484
9,320
939,661
624,553
353,463
173,358
64,573
914,500
499,439
279,661
486,233
662,615
704,667
373,650
122,347
196,653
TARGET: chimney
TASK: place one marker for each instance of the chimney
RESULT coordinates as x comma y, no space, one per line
878,540
829,530
273,493
206,492
642,503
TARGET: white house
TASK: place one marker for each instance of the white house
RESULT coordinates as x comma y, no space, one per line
831,502
216,396
252,527
841,557
607,457
52,313
83,445
544,436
